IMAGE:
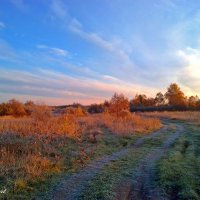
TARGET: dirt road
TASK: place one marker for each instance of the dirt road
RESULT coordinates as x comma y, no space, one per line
140,186
70,188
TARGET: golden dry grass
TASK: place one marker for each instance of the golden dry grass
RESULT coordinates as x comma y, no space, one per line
130,124
33,148
192,116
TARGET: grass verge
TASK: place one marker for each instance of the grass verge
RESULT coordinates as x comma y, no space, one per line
178,173
103,184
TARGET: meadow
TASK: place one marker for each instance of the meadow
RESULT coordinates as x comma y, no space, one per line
190,116
36,149
70,153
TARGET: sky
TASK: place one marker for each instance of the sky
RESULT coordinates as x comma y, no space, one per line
65,51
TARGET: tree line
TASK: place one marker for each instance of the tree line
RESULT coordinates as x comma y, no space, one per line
173,100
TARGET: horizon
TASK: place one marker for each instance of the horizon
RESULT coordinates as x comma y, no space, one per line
60,52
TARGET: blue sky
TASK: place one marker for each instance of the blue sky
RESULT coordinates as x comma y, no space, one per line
65,51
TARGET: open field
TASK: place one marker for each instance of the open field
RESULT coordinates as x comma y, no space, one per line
100,156
190,116
37,149
100,100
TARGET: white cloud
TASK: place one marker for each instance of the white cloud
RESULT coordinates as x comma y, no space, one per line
60,52
6,51
110,78
116,53
54,50
189,76
110,46
51,84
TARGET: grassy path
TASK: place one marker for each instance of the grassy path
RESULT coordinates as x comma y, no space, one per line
142,188
70,188
129,176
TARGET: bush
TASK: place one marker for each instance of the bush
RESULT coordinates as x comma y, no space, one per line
118,104
13,107
41,113
77,112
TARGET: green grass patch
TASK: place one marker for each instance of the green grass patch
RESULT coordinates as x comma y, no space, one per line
102,185
179,172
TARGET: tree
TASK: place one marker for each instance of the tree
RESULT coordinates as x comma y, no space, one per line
96,108
118,103
192,101
175,96
29,103
139,100
159,99
150,102
198,105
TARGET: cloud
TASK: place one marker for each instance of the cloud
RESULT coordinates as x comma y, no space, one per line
189,76
116,53
51,84
60,52
2,25
111,47
110,78
54,50
6,51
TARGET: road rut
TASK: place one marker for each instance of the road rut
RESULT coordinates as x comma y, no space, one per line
70,188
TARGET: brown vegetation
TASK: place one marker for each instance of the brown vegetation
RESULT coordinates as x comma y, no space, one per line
191,116
34,144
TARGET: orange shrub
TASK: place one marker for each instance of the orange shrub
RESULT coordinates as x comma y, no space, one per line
42,122
77,112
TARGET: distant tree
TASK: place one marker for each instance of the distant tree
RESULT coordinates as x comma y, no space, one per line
150,102
198,105
106,104
76,105
139,100
175,96
192,101
118,103
159,99
96,108
29,103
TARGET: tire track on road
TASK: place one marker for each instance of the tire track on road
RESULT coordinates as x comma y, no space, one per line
70,188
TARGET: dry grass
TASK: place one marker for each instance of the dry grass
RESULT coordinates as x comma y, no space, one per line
192,116
130,124
33,148
41,125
